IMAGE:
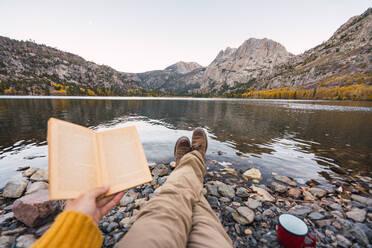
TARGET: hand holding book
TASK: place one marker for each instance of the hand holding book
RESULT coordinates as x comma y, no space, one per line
81,159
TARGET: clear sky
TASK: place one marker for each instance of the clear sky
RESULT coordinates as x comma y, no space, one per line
139,35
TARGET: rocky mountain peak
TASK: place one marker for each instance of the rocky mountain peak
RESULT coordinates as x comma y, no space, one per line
183,67
224,54
243,63
356,29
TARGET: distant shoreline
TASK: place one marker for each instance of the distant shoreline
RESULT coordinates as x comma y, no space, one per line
167,98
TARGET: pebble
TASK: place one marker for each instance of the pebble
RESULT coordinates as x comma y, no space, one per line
148,190
342,241
112,226
357,214
318,192
29,172
172,164
243,215
253,174
117,236
139,202
6,241
25,241
14,231
308,196
359,235
315,216
262,194
335,206
361,199
6,217
126,200
226,190
41,230
40,175
22,168
294,193
36,186
212,189
285,179
242,192
248,231
300,210
252,203
127,222
224,200
268,213
162,180
160,170
151,165
280,188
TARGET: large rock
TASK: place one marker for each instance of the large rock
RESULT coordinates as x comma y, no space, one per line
36,186
253,174
226,190
261,194
35,209
286,180
243,215
15,187
40,175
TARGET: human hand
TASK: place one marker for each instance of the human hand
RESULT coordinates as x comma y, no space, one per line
88,203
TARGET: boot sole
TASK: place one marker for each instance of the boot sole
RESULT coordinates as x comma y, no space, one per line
177,143
206,139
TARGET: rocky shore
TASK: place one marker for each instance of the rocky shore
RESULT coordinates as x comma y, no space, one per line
338,216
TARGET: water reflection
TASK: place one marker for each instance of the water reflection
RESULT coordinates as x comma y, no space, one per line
296,138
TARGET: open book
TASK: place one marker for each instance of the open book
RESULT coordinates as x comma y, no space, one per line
81,159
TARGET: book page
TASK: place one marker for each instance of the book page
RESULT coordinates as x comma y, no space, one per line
123,161
72,159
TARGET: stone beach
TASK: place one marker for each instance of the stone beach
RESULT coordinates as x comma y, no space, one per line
338,216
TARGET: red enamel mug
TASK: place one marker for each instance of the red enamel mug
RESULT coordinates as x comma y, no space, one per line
292,231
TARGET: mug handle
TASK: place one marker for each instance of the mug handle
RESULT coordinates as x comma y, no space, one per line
313,244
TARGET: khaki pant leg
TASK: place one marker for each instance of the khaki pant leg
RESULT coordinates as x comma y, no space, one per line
207,230
166,220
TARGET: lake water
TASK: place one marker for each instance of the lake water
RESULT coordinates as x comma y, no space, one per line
323,140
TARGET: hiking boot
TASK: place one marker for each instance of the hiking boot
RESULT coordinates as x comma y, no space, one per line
182,147
200,141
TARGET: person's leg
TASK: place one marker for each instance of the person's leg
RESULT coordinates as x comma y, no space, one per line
166,220
207,230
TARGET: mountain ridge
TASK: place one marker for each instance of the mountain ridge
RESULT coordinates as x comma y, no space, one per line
257,64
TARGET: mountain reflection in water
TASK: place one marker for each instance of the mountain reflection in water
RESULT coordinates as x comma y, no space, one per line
302,139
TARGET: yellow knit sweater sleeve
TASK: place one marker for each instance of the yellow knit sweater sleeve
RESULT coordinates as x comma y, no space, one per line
71,229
